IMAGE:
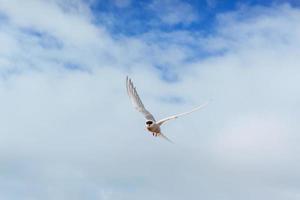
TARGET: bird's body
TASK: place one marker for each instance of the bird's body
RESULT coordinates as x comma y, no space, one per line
152,125
153,128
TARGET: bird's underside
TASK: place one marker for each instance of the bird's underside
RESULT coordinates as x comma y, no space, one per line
152,125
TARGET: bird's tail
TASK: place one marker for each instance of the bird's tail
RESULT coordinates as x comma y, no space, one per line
165,137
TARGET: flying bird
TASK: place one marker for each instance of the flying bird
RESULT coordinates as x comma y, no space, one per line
152,125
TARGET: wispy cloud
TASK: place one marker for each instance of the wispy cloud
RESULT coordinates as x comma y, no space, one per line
122,3
174,12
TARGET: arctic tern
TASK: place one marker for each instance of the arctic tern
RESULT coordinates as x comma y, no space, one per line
152,125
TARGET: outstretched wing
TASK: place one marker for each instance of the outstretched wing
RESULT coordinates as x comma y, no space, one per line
136,101
160,122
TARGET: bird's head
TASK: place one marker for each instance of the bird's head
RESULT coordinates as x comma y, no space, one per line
149,123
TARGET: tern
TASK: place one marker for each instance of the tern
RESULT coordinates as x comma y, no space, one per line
152,125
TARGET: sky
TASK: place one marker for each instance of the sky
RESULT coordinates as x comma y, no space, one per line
69,131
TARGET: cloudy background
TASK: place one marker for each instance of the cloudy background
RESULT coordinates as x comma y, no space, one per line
68,130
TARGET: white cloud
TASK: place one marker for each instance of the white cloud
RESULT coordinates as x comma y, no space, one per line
254,140
57,138
69,27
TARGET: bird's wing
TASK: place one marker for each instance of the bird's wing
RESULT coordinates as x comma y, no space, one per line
165,137
136,101
160,122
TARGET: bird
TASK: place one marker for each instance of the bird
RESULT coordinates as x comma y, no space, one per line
152,125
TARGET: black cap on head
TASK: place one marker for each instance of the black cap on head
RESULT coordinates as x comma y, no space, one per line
149,122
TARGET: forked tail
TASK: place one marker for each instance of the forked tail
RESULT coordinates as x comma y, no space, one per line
165,137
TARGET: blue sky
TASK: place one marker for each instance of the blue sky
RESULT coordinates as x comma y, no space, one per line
136,17
69,131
